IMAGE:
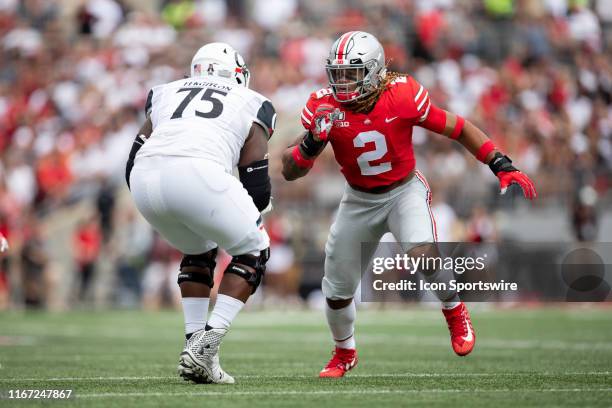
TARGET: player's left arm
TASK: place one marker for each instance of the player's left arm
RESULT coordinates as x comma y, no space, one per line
253,168
299,156
253,163
476,142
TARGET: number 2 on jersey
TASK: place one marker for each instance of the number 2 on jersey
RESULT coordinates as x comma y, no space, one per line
365,158
217,105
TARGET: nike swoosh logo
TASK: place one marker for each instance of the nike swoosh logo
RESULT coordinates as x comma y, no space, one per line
469,336
389,120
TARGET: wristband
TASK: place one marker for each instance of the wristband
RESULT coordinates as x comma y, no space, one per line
501,163
484,150
310,146
300,160
458,128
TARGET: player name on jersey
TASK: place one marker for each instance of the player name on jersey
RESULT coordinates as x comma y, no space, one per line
208,84
205,118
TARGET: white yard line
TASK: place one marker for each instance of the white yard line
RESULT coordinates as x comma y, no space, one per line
229,393
423,341
289,376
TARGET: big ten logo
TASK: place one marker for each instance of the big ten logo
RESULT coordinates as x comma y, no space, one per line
341,122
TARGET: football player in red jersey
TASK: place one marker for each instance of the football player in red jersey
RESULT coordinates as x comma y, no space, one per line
367,115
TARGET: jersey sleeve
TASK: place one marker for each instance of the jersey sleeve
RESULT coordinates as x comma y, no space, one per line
412,100
152,104
311,106
262,113
149,104
266,117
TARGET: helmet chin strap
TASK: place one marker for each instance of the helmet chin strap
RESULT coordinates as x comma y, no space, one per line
347,96
353,95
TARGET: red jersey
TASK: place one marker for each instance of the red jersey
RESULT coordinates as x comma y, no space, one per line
375,149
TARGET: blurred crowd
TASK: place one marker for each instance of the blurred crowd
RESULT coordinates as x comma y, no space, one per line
536,75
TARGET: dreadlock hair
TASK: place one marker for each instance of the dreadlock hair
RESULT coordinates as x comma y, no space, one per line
366,104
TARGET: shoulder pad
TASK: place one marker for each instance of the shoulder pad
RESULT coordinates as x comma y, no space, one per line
400,80
321,93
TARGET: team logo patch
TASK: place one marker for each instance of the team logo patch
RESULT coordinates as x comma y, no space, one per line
340,121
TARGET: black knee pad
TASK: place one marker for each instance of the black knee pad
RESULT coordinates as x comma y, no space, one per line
205,261
256,262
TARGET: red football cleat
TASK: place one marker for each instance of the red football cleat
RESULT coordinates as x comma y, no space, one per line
342,360
462,333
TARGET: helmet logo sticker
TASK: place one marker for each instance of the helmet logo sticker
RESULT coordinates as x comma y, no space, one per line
349,46
345,44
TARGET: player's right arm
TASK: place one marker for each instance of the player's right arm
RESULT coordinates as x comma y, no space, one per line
298,158
295,168
141,138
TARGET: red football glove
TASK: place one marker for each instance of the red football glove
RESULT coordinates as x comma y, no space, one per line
323,120
507,174
508,177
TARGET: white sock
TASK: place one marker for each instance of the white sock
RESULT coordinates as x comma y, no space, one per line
448,297
225,310
342,325
450,305
195,310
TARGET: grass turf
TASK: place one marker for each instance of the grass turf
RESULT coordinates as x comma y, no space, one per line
538,357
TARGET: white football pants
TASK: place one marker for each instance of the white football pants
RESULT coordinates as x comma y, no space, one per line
196,206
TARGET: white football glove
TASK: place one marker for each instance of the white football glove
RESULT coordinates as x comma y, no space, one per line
4,246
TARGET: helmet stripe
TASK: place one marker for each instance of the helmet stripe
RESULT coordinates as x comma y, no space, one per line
343,43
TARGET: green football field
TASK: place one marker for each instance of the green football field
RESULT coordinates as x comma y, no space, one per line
528,357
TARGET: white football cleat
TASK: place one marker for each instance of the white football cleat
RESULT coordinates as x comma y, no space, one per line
199,360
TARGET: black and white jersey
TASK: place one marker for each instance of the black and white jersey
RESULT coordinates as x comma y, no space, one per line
207,118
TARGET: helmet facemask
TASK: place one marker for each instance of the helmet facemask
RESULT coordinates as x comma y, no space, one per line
242,73
346,81
350,82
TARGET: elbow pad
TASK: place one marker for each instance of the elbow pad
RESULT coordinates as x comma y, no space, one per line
256,181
